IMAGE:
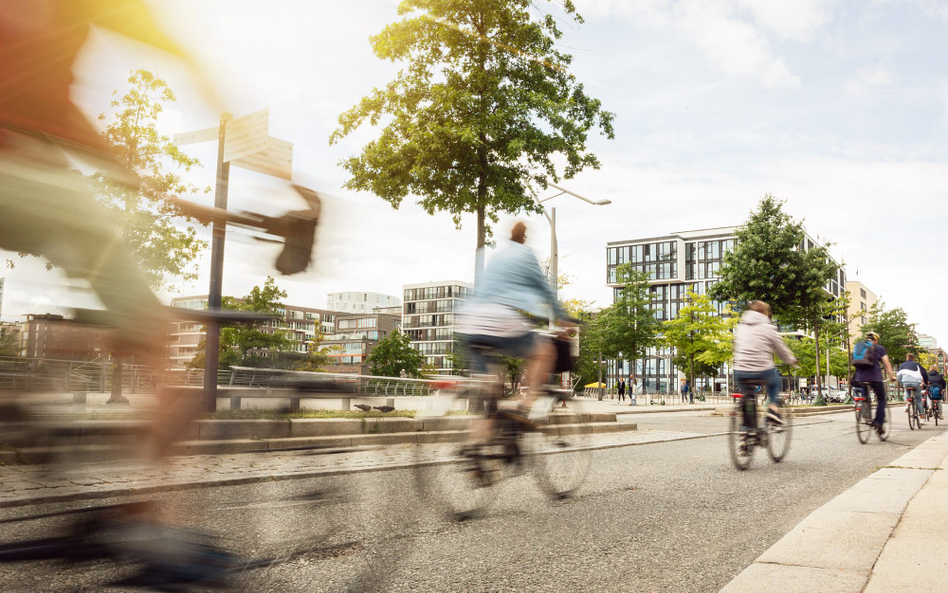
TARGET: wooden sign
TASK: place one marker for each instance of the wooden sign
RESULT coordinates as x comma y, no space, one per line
276,160
246,135
205,135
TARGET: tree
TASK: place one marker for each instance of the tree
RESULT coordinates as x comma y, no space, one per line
629,327
589,363
480,115
147,219
701,338
243,345
771,263
896,334
393,355
9,344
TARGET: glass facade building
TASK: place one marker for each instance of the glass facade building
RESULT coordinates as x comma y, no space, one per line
675,264
428,318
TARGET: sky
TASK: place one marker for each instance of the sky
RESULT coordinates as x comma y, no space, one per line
838,107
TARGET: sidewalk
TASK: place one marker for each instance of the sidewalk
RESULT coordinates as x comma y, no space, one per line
885,534
613,405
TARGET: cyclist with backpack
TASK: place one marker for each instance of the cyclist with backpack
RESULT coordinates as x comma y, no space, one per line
869,356
913,376
936,390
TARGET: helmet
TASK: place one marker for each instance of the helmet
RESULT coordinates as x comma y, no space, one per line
872,336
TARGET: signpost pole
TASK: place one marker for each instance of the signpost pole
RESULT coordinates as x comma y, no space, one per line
213,337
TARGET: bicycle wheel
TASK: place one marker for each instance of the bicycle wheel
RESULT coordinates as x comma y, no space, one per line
886,424
778,436
740,456
862,428
456,479
559,451
912,412
936,410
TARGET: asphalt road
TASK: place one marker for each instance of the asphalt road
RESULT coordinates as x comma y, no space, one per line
670,516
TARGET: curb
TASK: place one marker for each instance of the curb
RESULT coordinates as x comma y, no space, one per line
837,547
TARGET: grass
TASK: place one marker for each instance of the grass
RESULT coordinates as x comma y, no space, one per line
258,414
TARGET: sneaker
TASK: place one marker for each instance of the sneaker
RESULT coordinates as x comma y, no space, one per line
742,445
773,417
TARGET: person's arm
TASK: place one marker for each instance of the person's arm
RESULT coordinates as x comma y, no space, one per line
888,367
924,373
780,347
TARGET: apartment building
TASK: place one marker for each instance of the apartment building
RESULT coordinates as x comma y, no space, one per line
53,336
861,300
677,263
301,323
356,335
360,302
428,318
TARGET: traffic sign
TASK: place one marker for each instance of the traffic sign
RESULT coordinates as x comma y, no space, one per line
205,135
246,135
276,160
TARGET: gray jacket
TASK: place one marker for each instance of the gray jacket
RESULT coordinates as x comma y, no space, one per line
755,341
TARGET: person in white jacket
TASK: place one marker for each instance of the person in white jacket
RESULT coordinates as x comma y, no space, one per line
755,342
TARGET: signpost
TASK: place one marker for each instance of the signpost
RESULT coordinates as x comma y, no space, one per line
243,142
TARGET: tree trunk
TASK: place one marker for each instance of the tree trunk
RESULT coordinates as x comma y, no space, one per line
819,379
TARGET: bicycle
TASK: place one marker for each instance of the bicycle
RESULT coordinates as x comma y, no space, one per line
862,406
553,447
745,434
912,409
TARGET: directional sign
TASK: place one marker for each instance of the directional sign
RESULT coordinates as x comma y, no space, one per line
276,160
246,135
205,135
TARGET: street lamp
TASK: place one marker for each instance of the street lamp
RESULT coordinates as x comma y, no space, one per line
554,250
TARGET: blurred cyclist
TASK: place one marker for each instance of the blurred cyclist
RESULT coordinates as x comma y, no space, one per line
912,375
511,294
936,390
869,376
756,340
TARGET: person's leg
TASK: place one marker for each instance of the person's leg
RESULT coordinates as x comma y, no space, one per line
878,387
542,361
919,402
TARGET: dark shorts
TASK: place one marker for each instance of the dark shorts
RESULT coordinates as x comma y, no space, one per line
483,348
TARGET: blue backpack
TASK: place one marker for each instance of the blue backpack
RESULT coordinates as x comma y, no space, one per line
934,391
864,354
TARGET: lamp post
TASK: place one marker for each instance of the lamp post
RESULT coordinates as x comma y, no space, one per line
554,249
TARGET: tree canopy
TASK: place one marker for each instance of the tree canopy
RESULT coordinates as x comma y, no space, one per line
701,338
629,327
481,114
393,356
896,334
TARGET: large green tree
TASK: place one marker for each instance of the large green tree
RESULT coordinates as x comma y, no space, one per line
393,356
9,344
481,114
896,334
701,338
772,262
152,228
629,327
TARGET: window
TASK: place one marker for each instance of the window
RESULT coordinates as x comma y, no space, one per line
862,293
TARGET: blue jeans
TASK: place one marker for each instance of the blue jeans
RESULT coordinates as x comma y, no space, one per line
915,391
772,377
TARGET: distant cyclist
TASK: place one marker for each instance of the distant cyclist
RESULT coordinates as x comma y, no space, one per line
936,390
756,340
869,357
913,376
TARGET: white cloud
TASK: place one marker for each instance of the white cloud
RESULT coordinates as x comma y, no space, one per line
721,30
867,79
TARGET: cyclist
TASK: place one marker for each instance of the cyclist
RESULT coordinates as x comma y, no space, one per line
756,340
498,318
936,390
912,375
870,377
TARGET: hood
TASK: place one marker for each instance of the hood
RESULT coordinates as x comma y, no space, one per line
754,318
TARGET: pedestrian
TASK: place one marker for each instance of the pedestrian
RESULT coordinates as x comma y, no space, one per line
621,390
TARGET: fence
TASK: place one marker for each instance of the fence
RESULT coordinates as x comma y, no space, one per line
38,374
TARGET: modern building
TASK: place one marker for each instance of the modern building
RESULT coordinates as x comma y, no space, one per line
356,335
301,323
927,342
428,317
359,302
676,264
861,300
55,337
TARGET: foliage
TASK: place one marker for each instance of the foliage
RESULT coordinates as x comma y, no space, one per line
768,264
9,344
246,345
480,115
148,223
590,360
701,338
804,349
629,327
394,355
896,334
